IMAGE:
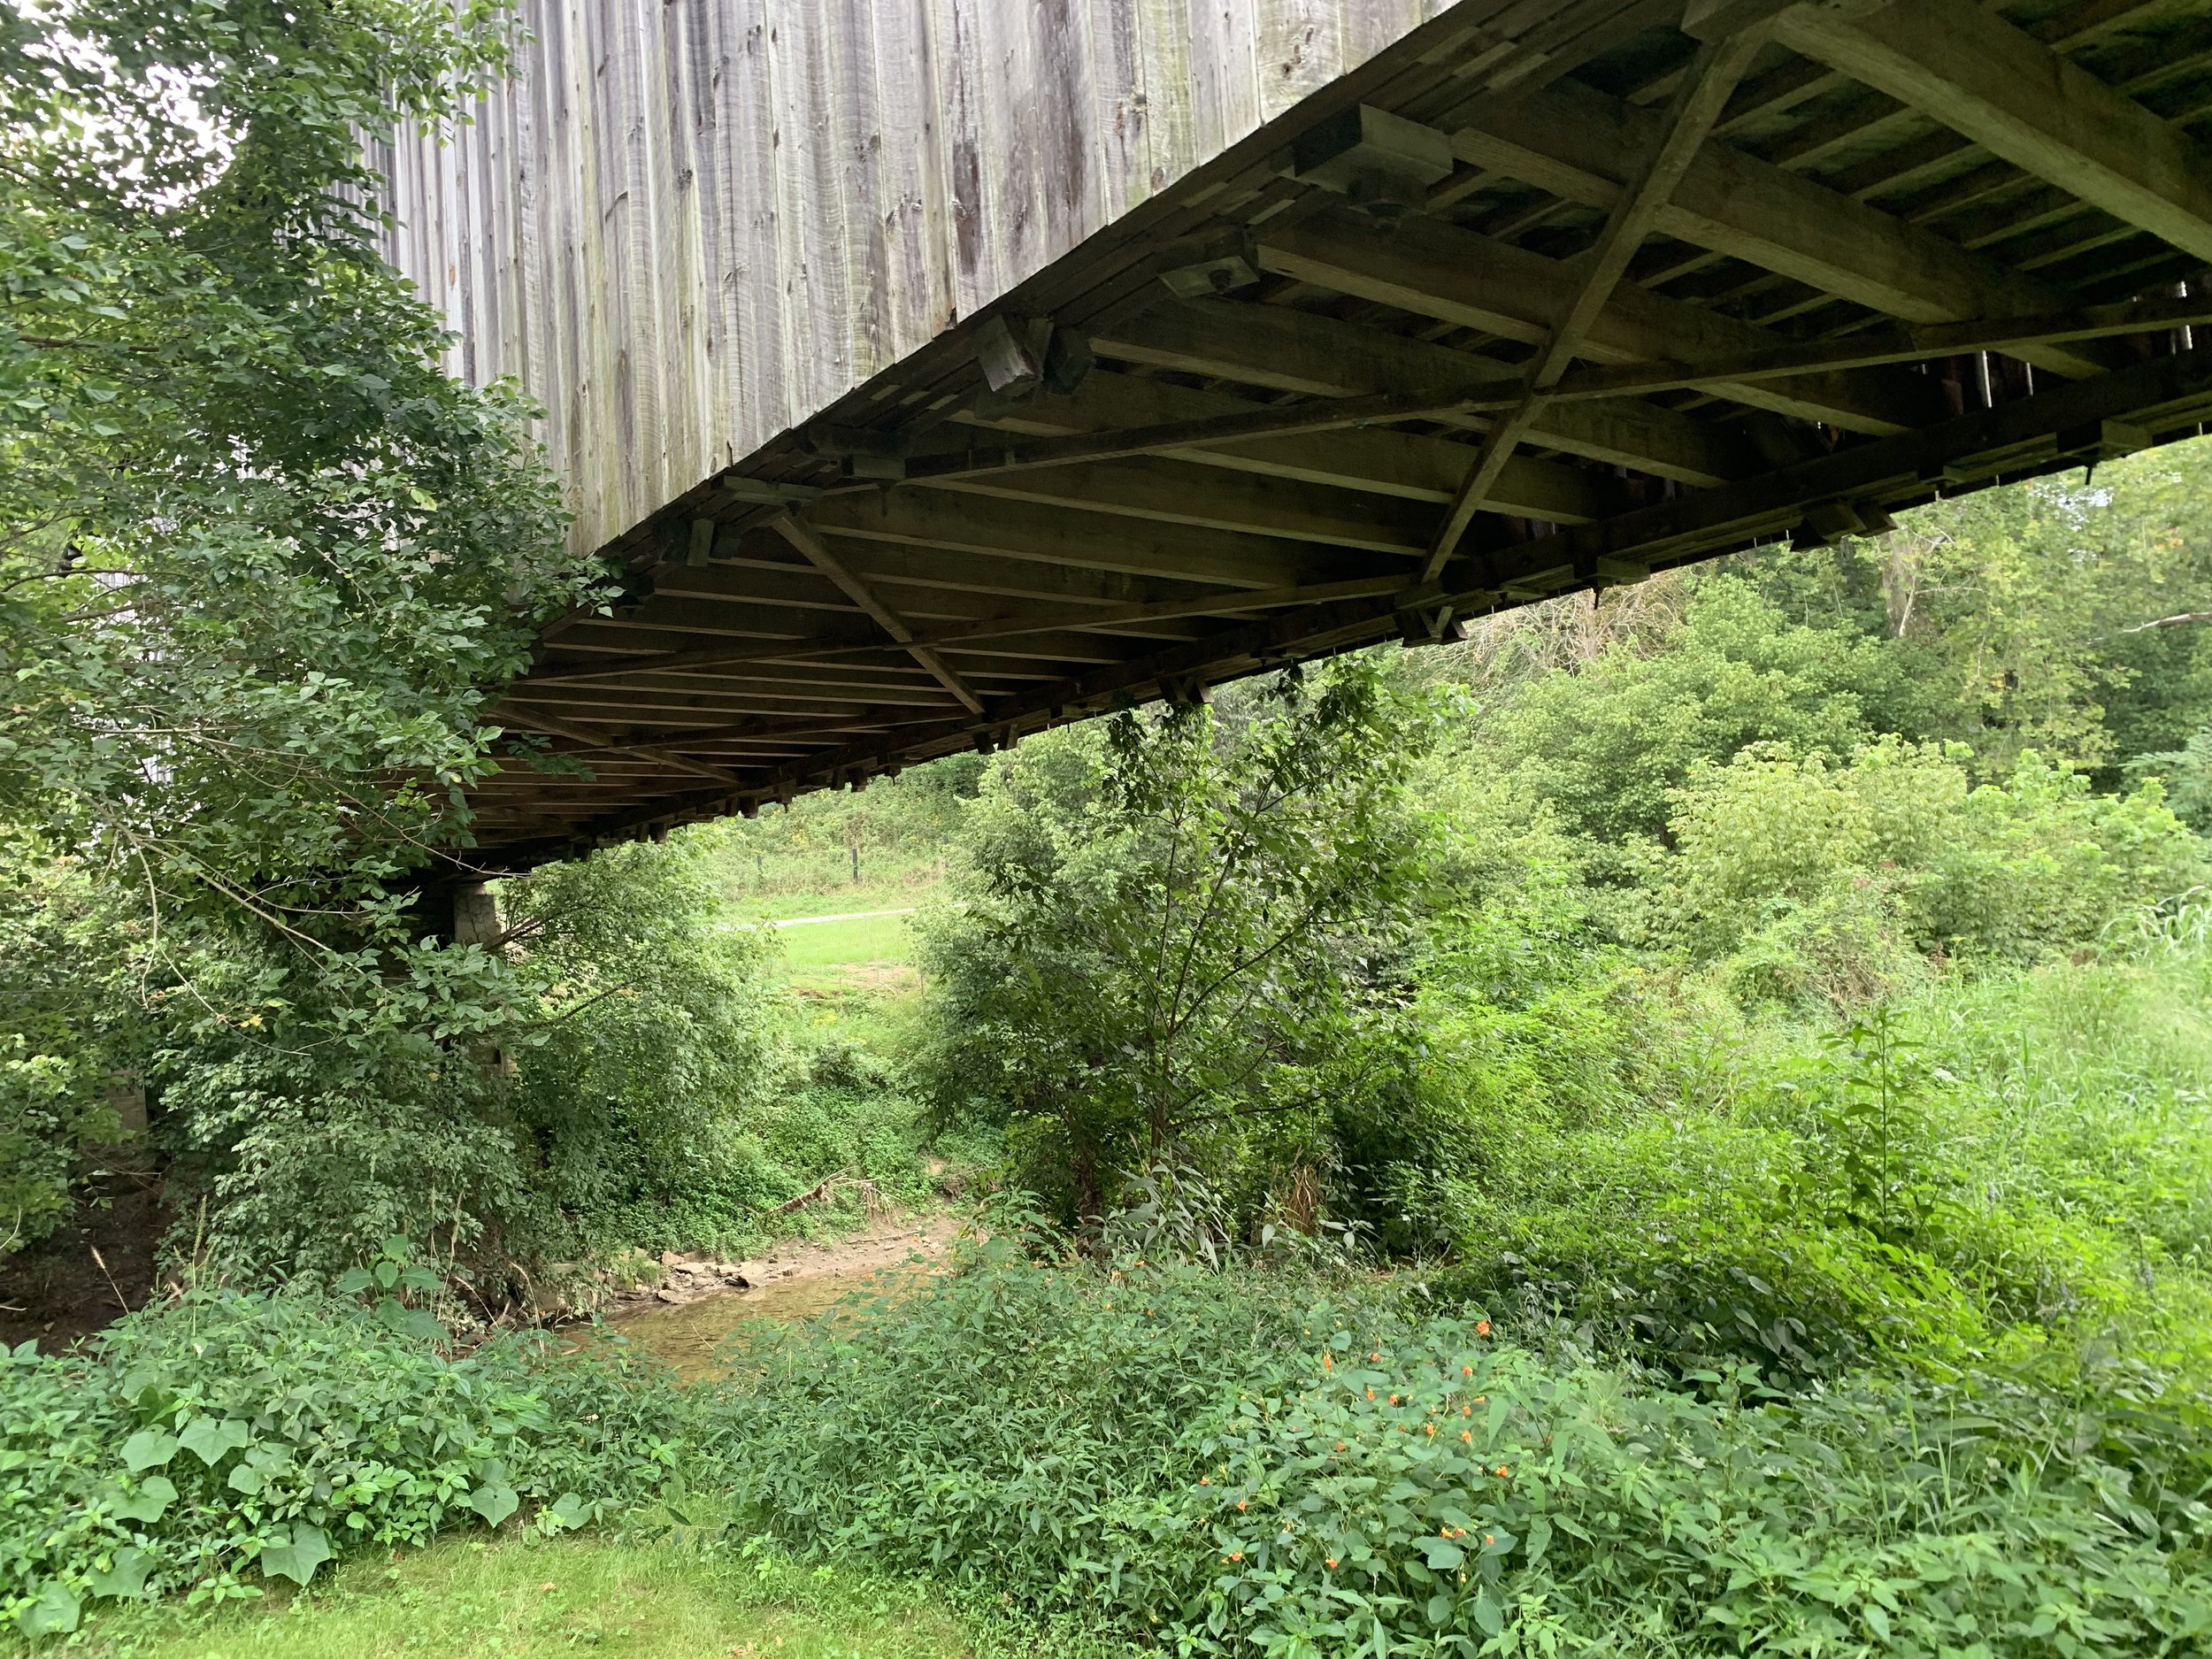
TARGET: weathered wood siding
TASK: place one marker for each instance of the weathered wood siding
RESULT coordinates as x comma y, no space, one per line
686,226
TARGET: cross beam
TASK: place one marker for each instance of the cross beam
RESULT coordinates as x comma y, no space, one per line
1977,73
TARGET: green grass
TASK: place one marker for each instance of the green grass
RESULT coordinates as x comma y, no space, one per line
524,1597
834,898
817,945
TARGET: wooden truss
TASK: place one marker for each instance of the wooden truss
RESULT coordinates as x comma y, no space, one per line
1544,298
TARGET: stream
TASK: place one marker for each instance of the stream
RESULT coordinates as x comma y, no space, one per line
805,1281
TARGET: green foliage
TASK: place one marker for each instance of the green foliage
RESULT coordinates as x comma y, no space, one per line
2010,1166
895,834
1897,851
545,1102
646,1041
259,556
261,563
2036,611
226,1440
64,1024
1441,1496
1170,929
1220,1464
999,1431
640,1596
1605,746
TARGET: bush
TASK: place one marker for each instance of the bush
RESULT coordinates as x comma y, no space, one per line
2012,1165
583,1088
1790,863
63,1027
1219,1463
1441,1496
1173,929
997,1428
227,1437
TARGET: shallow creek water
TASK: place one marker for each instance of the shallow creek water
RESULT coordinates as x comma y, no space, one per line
687,1335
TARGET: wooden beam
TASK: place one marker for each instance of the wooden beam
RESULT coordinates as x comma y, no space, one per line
1592,388
2019,99
938,518
893,569
1387,463
1235,602
1297,351
1571,140
1146,486
1696,105
558,728
818,552
2077,422
1436,270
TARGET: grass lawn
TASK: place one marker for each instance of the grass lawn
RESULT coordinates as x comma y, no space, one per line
810,947
523,1597
754,905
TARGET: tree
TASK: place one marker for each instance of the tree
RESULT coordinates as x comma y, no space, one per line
261,561
260,557
1171,924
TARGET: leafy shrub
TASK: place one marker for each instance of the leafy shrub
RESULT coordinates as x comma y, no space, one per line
1441,1496
1776,850
585,1089
647,1039
1172,929
1606,746
992,1428
61,1024
1218,1464
229,1434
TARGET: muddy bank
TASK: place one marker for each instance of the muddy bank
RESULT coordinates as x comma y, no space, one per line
96,1266
702,1299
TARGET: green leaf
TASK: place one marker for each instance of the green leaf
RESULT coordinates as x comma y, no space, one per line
153,1496
353,1280
149,1448
246,1479
127,1576
308,1548
569,1511
212,1439
1488,1619
493,1501
1443,1554
55,1613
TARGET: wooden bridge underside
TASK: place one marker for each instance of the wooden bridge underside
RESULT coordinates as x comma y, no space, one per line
1541,299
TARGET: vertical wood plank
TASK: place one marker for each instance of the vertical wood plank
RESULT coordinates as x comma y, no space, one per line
686,226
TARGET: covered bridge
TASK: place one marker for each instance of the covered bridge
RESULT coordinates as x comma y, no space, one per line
941,369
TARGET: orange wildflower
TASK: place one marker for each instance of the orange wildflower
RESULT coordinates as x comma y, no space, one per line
1482,1327
1503,1472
